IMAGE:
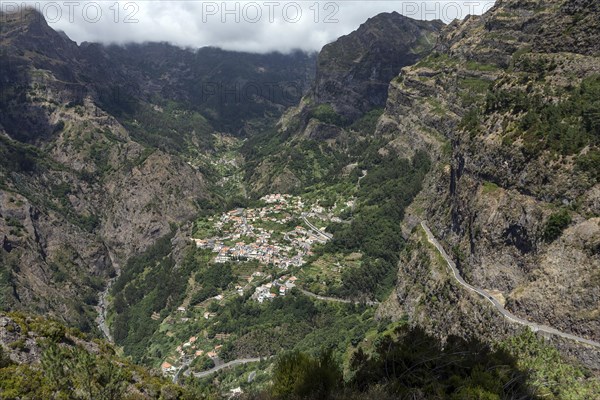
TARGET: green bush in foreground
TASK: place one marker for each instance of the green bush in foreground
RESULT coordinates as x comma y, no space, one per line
299,375
408,364
72,366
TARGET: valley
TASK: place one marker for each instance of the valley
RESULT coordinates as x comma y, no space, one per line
254,260
412,213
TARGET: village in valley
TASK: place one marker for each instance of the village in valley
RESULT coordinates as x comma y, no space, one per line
266,246
256,242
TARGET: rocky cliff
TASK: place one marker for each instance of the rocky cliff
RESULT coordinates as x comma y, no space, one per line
353,73
506,105
339,111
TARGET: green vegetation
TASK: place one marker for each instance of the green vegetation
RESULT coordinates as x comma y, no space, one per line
551,376
81,374
389,187
489,187
407,363
311,161
326,114
590,163
203,228
565,127
368,122
475,66
8,263
471,122
149,283
436,61
321,274
74,367
212,279
290,322
299,375
475,85
556,224
173,129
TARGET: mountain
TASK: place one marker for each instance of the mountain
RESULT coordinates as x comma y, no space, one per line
449,174
97,149
506,106
341,108
354,72
230,89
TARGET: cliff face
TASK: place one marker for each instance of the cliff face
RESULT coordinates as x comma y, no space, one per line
506,104
353,73
350,90
78,194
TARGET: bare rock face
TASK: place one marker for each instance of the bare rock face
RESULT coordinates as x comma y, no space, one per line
353,73
78,195
496,192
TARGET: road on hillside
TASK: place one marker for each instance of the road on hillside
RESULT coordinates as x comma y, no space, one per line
319,232
511,317
230,364
336,300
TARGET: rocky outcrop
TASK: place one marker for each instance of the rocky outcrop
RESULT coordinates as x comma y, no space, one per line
490,197
353,73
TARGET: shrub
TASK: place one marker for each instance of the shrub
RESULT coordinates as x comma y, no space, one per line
297,374
326,114
556,224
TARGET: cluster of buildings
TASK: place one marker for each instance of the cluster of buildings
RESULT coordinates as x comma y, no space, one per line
278,287
282,199
189,351
256,243
264,234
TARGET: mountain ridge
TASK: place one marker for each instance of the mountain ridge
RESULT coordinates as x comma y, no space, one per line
487,128
93,168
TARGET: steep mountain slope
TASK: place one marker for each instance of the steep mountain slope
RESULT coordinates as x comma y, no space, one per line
96,147
62,154
353,73
317,139
235,92
508,105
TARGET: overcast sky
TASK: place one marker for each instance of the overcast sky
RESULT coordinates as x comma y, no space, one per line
254,26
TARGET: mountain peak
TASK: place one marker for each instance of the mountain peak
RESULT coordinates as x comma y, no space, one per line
27,34
353,72
25,18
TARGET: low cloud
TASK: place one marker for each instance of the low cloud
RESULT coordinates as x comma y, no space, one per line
253,26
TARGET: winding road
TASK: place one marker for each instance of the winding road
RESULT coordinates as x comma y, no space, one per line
511,317
335,299
230,364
